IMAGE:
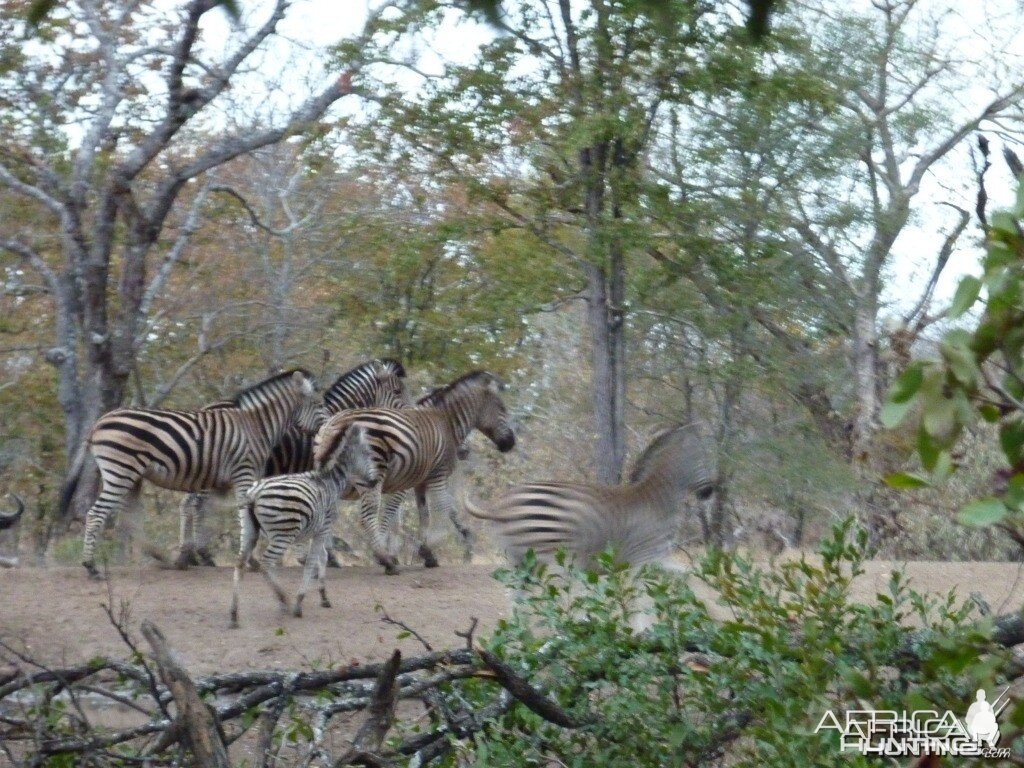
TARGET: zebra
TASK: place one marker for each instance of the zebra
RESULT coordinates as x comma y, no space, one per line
220,449
418,448
292,507
8,519
638,519
372,383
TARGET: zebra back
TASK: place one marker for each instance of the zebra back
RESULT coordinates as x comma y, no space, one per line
416,443
199,450
373,383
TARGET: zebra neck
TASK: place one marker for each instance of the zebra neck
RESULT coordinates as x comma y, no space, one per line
269,420
458,415
657,492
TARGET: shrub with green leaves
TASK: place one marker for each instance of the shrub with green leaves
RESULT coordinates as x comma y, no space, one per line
749,689
979,375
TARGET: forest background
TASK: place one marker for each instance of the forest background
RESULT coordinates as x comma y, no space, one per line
632,211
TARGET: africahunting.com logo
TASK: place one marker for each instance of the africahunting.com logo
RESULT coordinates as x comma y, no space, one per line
892,733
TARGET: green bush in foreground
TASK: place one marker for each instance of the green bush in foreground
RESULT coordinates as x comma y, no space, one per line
748,690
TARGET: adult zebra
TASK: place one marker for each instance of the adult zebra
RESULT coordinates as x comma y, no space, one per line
376,382
418,448
221,449
637,519
289,508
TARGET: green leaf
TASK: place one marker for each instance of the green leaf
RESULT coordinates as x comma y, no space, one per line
1011,439
39,10
893,413
983,512
966,294
940,418
927,449
905,480
1014,496
907,384
989,413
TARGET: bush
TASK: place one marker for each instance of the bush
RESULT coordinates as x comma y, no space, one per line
698,690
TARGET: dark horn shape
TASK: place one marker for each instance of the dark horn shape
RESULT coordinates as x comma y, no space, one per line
7,521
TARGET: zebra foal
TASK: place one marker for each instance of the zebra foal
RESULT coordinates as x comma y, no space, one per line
372,383
638,519
291,508
221,449
418,448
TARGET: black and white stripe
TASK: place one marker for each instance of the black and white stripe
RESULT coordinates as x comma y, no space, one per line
638,519
417,448
297,507
221,449
373,383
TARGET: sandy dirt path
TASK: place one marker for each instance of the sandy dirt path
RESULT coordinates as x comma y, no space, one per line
56,613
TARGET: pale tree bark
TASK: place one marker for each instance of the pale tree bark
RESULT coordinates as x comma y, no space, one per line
892,174
112,201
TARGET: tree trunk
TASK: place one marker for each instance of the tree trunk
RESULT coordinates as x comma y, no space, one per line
606,344
865,370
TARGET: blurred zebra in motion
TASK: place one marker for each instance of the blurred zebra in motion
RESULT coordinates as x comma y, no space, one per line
417,448
373,383
638,519
221,449
294,507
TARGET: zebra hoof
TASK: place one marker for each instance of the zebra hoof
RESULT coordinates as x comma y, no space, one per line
325,603
205,558
429,560
390,567
297,613
91,570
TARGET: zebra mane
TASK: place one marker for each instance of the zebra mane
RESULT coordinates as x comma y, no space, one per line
390,363
473,378
267,385
673,444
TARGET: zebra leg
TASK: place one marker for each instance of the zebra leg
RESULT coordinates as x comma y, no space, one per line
201,532
467,535
187,511
271,560
439,505
315,557
369,518
429,559
249,533
321,559
113,497
391,521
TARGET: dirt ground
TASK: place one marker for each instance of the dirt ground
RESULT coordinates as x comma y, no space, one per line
56,614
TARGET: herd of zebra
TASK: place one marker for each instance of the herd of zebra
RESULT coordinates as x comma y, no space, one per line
290,455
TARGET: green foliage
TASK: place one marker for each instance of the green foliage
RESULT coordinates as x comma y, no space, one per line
979,376
778,647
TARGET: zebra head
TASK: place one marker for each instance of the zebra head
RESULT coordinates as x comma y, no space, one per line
389,385
678,455
472,402
493,418
9,519
308,414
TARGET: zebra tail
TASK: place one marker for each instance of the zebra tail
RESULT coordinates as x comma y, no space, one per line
67,491
475,510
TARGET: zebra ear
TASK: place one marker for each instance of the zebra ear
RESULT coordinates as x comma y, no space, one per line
496,385
306,383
